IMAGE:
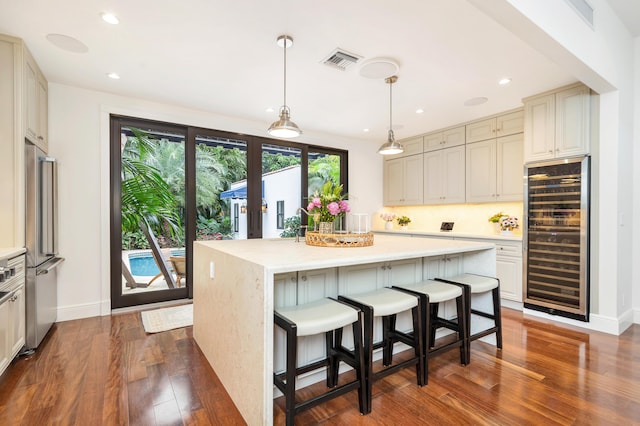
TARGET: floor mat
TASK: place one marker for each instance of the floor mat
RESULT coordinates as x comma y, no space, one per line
167,318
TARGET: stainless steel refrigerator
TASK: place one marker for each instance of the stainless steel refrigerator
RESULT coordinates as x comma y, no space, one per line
556,237
41,291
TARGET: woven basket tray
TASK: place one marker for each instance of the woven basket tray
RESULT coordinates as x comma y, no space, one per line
313,238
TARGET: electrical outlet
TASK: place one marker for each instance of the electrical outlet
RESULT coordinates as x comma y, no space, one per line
212,270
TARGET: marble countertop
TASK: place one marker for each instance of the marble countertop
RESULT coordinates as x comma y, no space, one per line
9,252
451,234
286,255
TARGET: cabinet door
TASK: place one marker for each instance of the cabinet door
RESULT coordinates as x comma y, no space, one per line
453,178
361,278
411,147
393,182
17,313
510,124
400,272
454,137
481,171
317,284
31,102
481,130
572,122
284,289
43,114
413,180
539,125
5,347
509,272
509,179
433,141
433,176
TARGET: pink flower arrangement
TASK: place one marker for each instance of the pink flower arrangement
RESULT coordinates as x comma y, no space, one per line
328,204
387,217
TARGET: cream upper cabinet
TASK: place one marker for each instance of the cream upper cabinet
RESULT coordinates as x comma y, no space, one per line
444,139
36,105
557,124
494,170
502,125
411,146
403,179
444,176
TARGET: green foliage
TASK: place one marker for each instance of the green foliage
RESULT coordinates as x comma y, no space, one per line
291,227
321,170
273,162
134,240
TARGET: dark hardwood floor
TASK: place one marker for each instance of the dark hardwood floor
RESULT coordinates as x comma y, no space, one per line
107,371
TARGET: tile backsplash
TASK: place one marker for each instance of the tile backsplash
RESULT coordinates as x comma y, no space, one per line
468,218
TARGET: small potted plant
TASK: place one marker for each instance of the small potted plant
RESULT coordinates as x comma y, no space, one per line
404,221
495,219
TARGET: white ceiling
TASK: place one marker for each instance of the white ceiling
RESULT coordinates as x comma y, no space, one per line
221,56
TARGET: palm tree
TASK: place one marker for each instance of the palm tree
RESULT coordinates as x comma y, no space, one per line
147,202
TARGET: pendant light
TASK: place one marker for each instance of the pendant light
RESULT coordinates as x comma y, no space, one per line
284,127
391,146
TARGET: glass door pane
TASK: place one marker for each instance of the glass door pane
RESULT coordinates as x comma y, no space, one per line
221,188
323,167
152,214
281,178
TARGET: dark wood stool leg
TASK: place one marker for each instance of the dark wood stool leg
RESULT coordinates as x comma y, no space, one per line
290,390
358,354
497,316
462,329
331,342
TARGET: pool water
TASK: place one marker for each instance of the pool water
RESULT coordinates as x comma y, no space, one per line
143,263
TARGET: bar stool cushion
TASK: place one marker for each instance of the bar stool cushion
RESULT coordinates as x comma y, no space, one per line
477,283
319,317
386,301
437,291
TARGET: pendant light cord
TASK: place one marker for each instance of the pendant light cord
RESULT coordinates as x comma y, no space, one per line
390,105
285,70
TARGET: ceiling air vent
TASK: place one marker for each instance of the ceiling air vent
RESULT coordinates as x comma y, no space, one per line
583,9
341,59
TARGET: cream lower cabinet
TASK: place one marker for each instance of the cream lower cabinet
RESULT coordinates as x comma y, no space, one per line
5,329
444,176
494,170
403,181
557,124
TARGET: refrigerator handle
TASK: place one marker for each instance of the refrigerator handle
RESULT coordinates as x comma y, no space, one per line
49,206
50,267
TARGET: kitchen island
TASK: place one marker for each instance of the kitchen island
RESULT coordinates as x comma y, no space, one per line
237,283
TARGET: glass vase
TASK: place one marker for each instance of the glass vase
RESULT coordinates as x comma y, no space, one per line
326,227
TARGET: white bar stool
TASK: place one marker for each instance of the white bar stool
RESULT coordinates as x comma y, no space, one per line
432,293
327,316
387,303
477,284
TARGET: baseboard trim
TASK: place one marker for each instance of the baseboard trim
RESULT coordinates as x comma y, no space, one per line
596,322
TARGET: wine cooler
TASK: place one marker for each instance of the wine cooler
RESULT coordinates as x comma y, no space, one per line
556,237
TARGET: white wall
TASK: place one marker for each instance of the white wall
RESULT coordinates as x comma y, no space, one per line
79,139
636,184
602,58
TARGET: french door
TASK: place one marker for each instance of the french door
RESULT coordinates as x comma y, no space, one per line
173,184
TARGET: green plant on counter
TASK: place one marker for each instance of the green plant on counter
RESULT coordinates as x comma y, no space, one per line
496,217
404,220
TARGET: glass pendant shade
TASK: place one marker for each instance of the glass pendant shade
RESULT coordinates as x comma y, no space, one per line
284,127
391,146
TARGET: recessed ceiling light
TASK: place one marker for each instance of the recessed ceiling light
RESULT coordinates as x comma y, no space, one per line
110,18
67,43
475,101
113,75
504,81
419,111
269,109
365,130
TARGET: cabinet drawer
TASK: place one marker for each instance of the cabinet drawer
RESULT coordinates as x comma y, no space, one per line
508,250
